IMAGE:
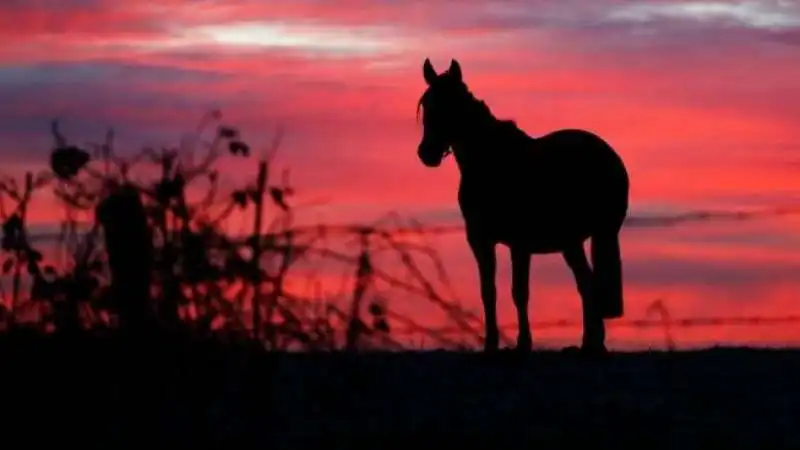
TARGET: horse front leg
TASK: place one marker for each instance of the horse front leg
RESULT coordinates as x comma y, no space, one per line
484,252
520,285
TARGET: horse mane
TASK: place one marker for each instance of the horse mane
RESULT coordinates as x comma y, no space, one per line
511,129
506,127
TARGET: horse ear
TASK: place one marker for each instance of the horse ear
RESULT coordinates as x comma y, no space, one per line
455,70
428,72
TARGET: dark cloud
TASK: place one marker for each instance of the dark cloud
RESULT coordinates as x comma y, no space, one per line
733,275
88,106
105,72
91,96
636,32
452,216
635,221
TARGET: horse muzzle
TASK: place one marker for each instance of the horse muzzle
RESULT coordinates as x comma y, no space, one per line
429,157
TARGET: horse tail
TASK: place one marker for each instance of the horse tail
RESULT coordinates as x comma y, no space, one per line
607,267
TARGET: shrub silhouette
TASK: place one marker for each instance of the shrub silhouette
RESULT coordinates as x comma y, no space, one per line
154,253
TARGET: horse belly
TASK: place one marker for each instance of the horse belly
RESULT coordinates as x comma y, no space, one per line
543,228
545,214
547,233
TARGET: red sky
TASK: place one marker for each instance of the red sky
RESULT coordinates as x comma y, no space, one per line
701,99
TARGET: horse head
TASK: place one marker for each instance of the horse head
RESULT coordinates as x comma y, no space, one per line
441,104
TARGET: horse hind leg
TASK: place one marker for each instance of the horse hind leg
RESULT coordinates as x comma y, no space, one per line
607,267
594,332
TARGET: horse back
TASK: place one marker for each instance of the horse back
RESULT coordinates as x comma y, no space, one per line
548,191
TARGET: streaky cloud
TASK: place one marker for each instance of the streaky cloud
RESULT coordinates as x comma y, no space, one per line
661,221
762,14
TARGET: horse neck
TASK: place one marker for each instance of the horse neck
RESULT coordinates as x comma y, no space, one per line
478,143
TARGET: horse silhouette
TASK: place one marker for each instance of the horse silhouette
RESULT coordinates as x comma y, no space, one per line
536,195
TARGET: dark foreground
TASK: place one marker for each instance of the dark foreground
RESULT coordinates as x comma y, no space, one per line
99,391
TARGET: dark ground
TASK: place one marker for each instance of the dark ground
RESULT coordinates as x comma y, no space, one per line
83,391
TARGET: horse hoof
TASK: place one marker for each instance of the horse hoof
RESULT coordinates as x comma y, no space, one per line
523,347
491,349
491,345
586,351
594,352
571,350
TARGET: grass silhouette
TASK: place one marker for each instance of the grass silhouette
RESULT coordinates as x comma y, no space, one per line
212,395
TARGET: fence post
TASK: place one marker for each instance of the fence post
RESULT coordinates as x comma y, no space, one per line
129,245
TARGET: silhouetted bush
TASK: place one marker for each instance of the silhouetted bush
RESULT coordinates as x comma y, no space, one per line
152,253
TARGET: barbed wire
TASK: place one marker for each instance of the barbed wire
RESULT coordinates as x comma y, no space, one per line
418,336
657,307
633,221
688,322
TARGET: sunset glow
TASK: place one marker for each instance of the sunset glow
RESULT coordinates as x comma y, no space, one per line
700,98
